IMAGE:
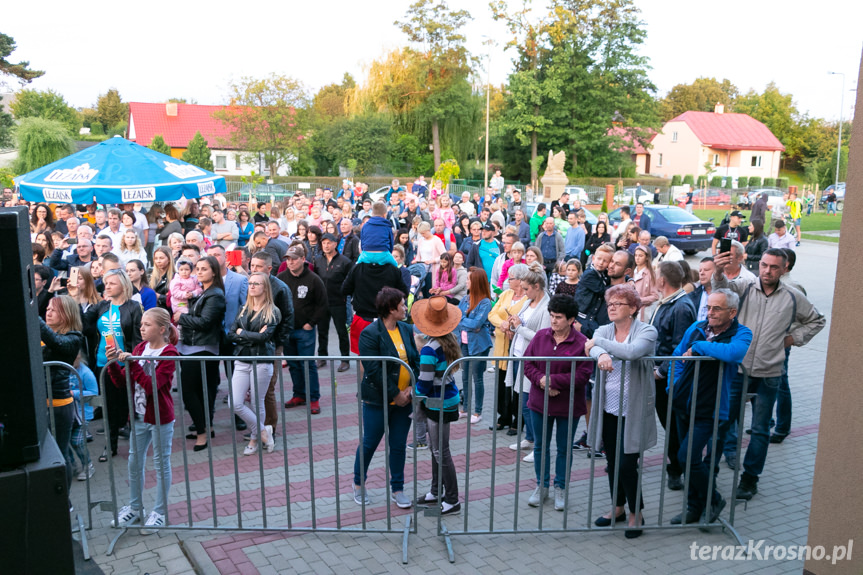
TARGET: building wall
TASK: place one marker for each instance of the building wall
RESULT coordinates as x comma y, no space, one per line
679,157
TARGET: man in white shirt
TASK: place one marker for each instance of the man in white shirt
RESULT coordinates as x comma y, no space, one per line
665,251
224,232
466,206
781,238
497,182
114,231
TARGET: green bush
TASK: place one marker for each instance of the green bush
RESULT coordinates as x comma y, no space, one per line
754,181
742,182
675,180
689,180
604,208
729,183
716,182
781,182
97,129
118,129
701,181
769,182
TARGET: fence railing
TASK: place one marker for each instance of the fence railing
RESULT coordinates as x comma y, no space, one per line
302,489
499,478
268,496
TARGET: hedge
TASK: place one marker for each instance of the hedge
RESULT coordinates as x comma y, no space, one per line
754,181
781,182
701,181
729,183
675,180
716,182
769,182
689,180
742,182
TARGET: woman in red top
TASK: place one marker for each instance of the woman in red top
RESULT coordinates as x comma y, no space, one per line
159,337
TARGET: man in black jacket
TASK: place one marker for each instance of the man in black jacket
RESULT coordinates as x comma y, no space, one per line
273,246
348,244
363,284
671,318
310,304
282,298
333,268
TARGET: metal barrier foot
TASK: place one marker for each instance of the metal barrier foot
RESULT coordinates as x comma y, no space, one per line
115,540
448,542
84,547
726,526
405,536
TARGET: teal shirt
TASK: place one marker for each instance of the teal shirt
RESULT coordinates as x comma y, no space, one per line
488,252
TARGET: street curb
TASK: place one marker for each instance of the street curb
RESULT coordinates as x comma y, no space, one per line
198,558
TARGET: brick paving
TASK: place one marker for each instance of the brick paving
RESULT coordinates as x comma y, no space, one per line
778,514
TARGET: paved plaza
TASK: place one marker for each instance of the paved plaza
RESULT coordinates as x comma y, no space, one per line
778,514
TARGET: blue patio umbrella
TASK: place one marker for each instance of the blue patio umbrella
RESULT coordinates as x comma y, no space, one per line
118,171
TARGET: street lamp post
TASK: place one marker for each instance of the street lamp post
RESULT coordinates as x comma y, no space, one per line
839,142
487,107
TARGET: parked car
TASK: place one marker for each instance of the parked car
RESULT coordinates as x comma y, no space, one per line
576,192
267,192
714,197
628,194
840,195
775,196
685,231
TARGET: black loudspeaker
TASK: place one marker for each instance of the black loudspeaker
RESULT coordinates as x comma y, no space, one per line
35,531
23,407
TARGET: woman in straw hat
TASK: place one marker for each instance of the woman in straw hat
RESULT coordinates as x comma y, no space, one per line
436,319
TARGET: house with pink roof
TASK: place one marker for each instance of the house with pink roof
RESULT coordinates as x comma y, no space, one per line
731,144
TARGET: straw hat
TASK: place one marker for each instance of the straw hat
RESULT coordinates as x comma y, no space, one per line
435,316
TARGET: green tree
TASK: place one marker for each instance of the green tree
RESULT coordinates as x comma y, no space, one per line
268,116
778,112
440,65
330,103
529,85
40,142
594,58
6,125
21,70
366,139
158,144
701,96
198,154
49,105
111,110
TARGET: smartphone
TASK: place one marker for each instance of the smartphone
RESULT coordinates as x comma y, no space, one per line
724,245
73,276
110,341
234,257
64,282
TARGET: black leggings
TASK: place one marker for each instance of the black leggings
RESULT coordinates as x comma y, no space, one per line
192,380
627,484
63,418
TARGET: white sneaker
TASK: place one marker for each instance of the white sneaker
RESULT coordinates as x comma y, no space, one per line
154,521
87,472
475,418
528,457
360,496
525,444
126,517
538,497
251,449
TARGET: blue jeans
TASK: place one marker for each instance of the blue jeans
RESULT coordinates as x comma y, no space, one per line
783,401
525,412
831,207
766,389
476,369
373,432
699,475
302,343
563,442
145,434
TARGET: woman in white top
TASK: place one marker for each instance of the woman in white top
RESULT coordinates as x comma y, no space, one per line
532,317
288,222
131,249
628,394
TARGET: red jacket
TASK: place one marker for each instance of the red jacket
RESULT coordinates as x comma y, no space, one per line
164,379
543,345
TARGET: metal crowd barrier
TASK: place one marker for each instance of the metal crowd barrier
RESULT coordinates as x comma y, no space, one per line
303,501
79,521
577,516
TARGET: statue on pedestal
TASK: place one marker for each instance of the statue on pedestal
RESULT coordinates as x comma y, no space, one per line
554,180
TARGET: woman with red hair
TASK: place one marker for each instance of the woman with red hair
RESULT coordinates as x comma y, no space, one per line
474,332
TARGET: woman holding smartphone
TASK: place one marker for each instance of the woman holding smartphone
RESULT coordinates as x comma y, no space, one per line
117,322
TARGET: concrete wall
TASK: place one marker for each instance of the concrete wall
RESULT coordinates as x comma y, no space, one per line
836,515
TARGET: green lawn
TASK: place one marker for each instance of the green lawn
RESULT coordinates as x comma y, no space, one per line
817,222
820,238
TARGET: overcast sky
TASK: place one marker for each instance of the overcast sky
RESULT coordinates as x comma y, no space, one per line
159,49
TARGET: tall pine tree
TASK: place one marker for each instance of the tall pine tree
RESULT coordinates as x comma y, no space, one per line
198,154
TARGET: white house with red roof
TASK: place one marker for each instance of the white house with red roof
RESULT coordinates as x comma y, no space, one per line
733,144
177,124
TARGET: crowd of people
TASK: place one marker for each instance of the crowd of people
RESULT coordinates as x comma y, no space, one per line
425,278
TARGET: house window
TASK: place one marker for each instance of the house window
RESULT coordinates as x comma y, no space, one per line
221,162
660,160
715,159
673,136
756,161
239,162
